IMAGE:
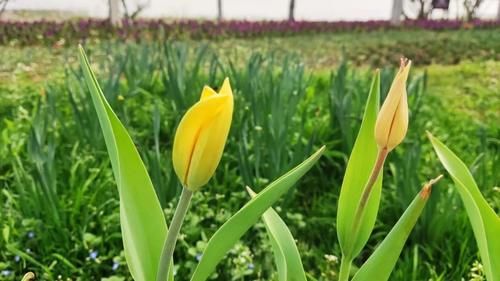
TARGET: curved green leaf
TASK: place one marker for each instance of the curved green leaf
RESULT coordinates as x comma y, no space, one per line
232,230
361,161
285,250
485,223
381,263
142,221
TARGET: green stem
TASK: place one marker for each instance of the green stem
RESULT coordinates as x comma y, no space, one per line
360,210
379,164
345,269
173,233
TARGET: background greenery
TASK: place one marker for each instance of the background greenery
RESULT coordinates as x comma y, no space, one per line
58,196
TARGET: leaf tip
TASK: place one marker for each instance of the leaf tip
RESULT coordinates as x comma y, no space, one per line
426,190
321,149
250,191
81,50
429,135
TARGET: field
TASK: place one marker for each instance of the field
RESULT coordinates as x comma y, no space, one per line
60,207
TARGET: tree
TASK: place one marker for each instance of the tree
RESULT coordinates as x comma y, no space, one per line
114,12
397,11
138,9
498,12
471,7
291,11
3,6
419,9
219,10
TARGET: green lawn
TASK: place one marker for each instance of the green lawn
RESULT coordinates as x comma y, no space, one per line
52,150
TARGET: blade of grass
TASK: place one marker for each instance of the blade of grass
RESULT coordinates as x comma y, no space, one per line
286,254
232,230
142,221
485,222
361,161
381,263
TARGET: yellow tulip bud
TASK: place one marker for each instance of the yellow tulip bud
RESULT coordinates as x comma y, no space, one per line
201,135
392,120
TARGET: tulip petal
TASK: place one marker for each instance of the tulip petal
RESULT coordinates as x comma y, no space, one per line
207,93
225,89
392,121
210,145
189,131
399,125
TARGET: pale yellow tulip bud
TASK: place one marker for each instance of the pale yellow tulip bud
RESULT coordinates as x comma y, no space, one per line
201,136
392,120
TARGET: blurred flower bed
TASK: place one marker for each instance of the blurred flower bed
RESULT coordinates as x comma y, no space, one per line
58,32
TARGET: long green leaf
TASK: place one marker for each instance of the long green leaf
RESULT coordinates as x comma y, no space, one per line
142,221
381,263
285,250
361,161
485,223
232,230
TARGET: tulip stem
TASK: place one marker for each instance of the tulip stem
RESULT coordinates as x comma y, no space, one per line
377,167
173,233
345,269
379,164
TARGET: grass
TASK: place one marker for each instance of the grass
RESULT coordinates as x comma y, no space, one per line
52,150
469,88
317,52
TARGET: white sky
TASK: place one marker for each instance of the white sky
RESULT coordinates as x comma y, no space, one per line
246,9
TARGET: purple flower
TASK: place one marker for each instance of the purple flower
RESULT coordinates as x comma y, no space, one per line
115,265
251,266
93,255
17,258
6,272
31,234
198,257
50,31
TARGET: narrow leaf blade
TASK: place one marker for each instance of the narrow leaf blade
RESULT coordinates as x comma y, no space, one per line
232,230
485,223
285,250
361,161
381,263
142,221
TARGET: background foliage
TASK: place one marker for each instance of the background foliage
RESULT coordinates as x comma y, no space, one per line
59,201
58,32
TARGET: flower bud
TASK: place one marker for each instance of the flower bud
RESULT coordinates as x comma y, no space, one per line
392,120
201,135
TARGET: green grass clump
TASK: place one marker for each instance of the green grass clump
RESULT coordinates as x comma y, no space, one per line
59,202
